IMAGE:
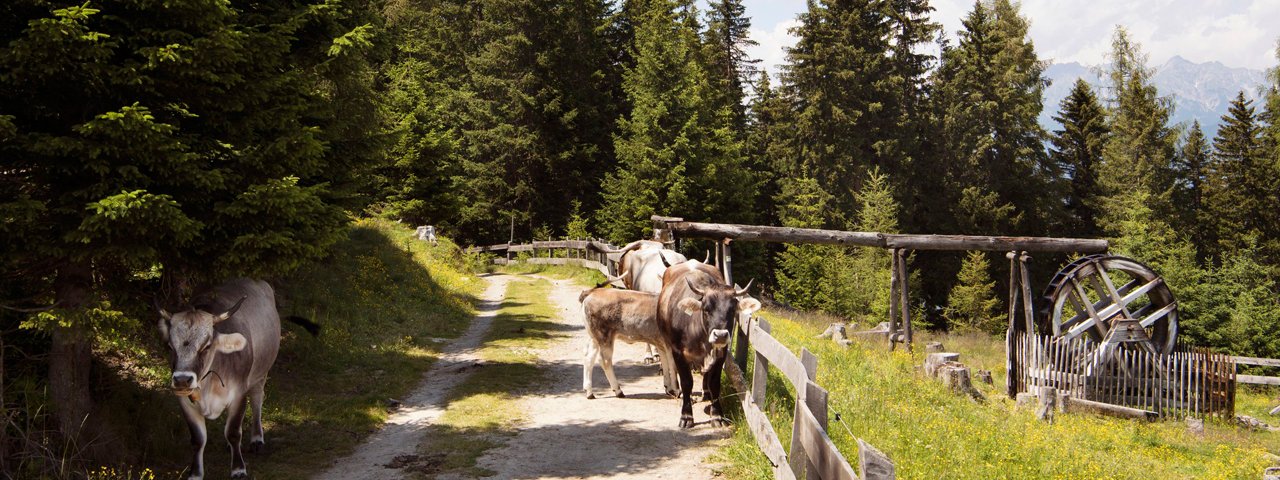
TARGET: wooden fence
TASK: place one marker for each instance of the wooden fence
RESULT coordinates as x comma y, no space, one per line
811,454
1185,383
580,253
1257,379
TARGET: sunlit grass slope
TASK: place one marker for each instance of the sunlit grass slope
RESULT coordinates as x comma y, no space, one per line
931,433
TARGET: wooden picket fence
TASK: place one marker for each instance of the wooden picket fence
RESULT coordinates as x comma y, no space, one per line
812,454
1188,382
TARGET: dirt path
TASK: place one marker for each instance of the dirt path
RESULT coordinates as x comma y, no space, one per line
569,436
405,428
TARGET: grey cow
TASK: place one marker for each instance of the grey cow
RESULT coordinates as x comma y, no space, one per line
220,351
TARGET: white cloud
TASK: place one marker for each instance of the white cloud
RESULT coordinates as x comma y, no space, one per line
1236,33
773,44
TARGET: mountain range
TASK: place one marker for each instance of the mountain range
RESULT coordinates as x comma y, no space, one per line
1200,91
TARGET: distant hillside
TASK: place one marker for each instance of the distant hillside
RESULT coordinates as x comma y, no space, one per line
1200,91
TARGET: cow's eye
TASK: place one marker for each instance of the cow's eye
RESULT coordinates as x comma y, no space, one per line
186,343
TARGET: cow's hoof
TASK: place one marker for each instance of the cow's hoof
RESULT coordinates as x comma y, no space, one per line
673,393
706,397
239,473
257,446
621,395
686,421
591,396
650,360
720,422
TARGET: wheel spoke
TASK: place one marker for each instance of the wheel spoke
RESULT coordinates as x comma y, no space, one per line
1080,329
1161,313
1115,296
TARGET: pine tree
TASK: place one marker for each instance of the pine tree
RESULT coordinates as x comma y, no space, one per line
767,147
1139,153
202,139
729,67
838,78
972,304
1239,179
537,113
1192,172
990,127
801,269
677,150
1077,150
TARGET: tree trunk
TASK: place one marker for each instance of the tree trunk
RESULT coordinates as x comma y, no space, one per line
70,360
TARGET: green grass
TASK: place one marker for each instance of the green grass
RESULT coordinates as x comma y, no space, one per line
931,433
484,409
387,304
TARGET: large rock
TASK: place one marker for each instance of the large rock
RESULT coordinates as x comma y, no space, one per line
1048,404
872,463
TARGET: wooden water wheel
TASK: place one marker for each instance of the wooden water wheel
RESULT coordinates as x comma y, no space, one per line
1112,300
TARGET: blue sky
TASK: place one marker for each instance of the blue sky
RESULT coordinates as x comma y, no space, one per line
1238,33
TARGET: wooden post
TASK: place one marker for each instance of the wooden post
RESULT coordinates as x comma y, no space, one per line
726,260
741,339
1028,305
905,303
893,299
1012,368
760,372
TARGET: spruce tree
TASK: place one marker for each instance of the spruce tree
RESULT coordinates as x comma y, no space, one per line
1139,153
729,67
838,78
989,127
193,139
1240,177
1192,169
801,269
678,153
1077,150
972,303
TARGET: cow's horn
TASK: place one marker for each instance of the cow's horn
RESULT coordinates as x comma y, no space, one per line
618,278
227,314
697,291
743,290
163,313
665,263
630,246
708,258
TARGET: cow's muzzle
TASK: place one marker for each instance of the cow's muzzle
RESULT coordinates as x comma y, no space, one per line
719,337
183,383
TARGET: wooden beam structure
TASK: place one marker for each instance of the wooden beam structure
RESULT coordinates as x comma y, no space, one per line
760,233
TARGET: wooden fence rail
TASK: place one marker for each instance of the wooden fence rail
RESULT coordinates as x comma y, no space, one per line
1257,379
812,454
582,253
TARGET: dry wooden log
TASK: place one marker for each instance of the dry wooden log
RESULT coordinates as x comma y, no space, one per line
760,233
1080,405
1025,399
935,360
1271,473
933,347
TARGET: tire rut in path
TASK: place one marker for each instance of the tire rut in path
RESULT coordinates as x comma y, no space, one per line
568,436
404,429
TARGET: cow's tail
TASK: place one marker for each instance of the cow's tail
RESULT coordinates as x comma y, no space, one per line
312,327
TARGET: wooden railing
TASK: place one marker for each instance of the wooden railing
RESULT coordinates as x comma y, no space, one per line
582,253
1257,379
811,454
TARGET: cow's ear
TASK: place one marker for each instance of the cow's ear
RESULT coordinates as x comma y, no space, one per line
690,306
230,342
748,306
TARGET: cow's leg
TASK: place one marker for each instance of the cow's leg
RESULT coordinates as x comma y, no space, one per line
686,390
256,438
668,372
711,383
199,436
650,356
235,425
606,362
588,365
716,355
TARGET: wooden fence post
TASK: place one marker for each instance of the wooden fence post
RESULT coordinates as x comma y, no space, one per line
799,459
905,303
1012,368
893,299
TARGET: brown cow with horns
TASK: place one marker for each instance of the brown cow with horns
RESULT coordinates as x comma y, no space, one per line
697,311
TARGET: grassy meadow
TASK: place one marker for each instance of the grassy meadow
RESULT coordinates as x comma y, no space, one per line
930,433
